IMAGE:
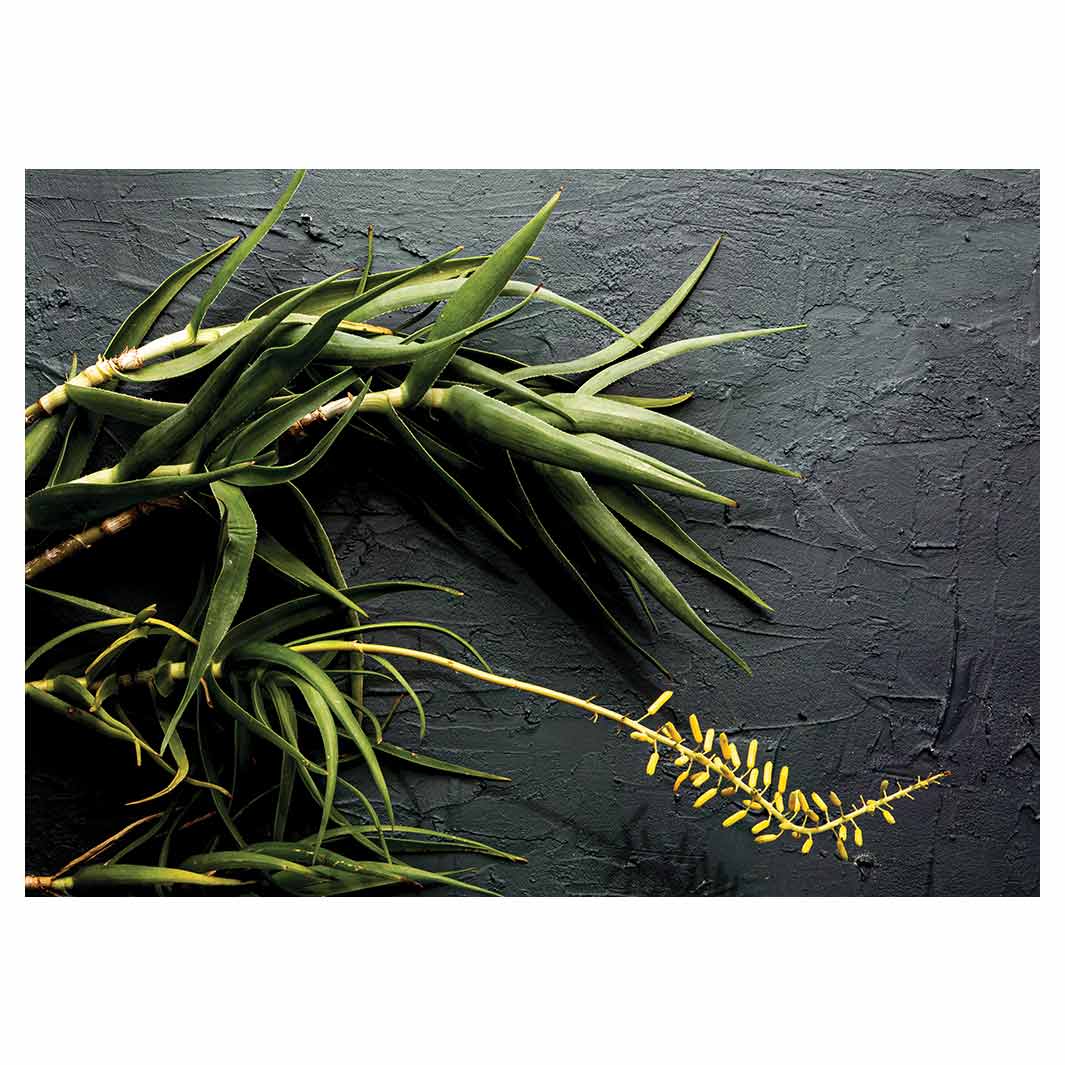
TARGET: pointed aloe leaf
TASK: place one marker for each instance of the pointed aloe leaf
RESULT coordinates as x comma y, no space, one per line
594,518
653,402
126,408
452,482
231,582
109,877
632,365
456,843
135,328
573,572
530,436
263,476
323,720
405,684
483,375
472,299
81,503
85,604
640,510
605,415
276,555
424,761
620,348
241,252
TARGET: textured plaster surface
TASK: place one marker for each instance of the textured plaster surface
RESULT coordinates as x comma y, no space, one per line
903,568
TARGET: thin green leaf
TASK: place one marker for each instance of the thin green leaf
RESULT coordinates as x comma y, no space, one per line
424,761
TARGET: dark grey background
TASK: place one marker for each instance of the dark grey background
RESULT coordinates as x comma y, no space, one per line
904,568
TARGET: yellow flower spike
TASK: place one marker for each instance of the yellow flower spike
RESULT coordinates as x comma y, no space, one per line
767,775
704,798
734,756
697,732
778,802
652,763
761,826
733,819
819,802
887,816
806,847
658,704
700,779
680,780
723,743
752,753
782,783
841,850
708,741
834,799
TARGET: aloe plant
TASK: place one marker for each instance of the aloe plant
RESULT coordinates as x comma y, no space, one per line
560,457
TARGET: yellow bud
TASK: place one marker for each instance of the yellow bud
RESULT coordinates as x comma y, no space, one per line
761,826
682,760
887,815
704,798
858,835
697,732
803,804
752,778
730,791
658,704
680,780
819,802
843,833
733,819
723,743
796,835
752,753
700,779
782,783
708,741
840,849
642,737
652,763
808,844
834,799
767,774
734,756
768,838
778,802
793,802
671,731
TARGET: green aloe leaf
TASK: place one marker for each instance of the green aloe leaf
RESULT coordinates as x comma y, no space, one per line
98,877
126,408
136,327
605,415
324,721
276,555
80,503
419,837
632,365
241,252
39,441
622,347
643,512
85,604
472,299
530,436
577,498
181,365
238,549
424,761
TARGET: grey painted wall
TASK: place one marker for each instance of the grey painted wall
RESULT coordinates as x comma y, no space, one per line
904,568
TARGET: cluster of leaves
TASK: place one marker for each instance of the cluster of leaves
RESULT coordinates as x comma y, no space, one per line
455,409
